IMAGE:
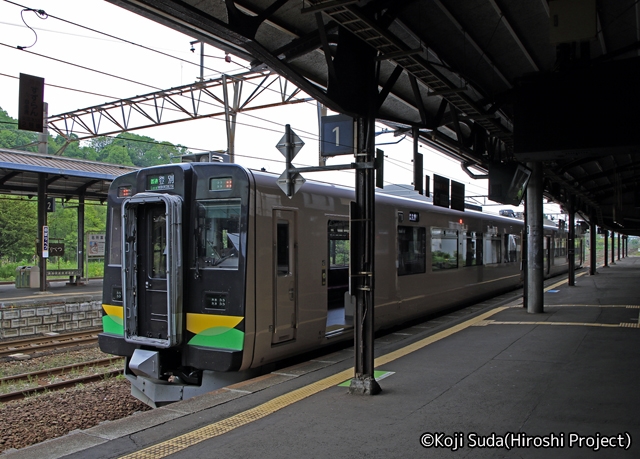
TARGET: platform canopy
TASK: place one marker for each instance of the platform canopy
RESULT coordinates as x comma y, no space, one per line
66,178
485,81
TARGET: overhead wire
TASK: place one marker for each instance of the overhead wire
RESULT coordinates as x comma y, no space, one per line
309,135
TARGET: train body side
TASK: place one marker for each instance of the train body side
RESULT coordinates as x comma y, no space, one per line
253,277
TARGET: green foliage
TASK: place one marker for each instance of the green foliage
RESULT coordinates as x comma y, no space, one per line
18,231
12,138
18,228
125,149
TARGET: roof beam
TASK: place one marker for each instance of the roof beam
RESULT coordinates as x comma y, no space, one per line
473,43
514,35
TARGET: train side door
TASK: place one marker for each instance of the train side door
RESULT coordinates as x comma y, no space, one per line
285,276
151,274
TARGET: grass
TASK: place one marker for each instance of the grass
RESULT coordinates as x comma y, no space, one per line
8,269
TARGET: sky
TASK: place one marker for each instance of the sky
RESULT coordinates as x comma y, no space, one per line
66,54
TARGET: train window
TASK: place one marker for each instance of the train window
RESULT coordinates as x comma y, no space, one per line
158,232
218,234
282,248
512,248
115,243
444,249
472,248
338,243
412,254
560,246
492,249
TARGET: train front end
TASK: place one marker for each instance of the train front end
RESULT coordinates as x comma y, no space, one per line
174,296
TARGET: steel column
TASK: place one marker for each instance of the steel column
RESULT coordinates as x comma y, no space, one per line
606,248
42,222
364,382
81,241
535,230
525,257
593,234
618,246
571,249
613,247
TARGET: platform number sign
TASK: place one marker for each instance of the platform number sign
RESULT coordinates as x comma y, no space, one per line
337,135
51,204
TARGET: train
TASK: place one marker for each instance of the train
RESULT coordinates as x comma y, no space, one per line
212,273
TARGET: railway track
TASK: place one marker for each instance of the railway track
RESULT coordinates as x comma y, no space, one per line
47,343
43,386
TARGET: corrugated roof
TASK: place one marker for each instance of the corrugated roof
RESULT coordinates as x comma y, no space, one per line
66,177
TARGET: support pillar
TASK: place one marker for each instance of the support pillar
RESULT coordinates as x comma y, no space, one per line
613,248
618,246
42,222
571,239
362,270
81,242
626,246
535,230
593,234
525,257
606,248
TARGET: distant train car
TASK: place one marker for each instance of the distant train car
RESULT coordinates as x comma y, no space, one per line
211,272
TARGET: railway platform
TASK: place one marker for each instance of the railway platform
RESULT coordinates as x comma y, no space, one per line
57,289
484,382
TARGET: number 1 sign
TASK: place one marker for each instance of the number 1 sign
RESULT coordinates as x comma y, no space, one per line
337,135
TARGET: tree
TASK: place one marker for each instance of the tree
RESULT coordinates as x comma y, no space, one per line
18,228
117,154
12,138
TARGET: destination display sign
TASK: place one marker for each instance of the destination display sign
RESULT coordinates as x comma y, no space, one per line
161,182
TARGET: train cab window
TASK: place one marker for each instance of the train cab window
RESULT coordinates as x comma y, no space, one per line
412,254
218,234
115,243
492,249
444,249
472,248
282,248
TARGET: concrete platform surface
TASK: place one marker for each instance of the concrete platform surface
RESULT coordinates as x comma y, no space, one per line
490,381
56,292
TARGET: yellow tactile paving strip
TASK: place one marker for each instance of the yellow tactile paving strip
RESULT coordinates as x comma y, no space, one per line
575,324
181,442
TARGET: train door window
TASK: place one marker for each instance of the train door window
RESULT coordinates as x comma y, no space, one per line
472,248
337,280
412,254
282,248
115,243
218,234
492,249
444,249
546,247
158,233
338,243
512,248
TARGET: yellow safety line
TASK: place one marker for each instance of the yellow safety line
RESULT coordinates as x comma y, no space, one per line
558,284
579,324
181,442
627,306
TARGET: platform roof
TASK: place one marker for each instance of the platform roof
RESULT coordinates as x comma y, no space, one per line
453,69
65,177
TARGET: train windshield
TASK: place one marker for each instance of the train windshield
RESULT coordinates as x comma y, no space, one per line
218,234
